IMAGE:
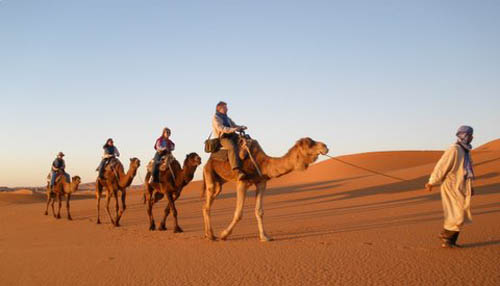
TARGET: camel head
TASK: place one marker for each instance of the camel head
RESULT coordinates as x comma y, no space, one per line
135,163
308,151
75,181
192,159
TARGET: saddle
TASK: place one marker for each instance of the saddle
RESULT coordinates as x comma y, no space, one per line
112,163
58,177
221,154
165,162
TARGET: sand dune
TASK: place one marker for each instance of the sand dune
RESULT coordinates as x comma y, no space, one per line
333,225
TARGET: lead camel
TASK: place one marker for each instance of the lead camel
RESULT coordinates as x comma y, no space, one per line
217,172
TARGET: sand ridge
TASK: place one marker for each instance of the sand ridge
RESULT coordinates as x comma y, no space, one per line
333,225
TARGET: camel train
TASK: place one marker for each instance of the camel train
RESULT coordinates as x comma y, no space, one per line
257,165
234,157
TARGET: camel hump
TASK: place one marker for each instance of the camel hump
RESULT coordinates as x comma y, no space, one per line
220,155
59,176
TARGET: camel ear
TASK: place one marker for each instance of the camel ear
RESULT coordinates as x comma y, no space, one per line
311,142
302,142
307,142
131,159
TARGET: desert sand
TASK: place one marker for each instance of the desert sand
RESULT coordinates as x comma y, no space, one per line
332,224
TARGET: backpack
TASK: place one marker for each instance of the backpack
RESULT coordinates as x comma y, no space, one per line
212,145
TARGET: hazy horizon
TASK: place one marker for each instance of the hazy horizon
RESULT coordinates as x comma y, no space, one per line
360,76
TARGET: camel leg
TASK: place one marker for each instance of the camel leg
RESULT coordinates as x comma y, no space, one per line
124,206
147,188
117,208
48,202
98,193
163,190
53,200
209,199
59,203
259,211
163,225
171,205
108,200
238,213
150,201
68,197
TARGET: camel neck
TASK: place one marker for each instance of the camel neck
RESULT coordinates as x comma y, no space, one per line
273,167
188,174
68,187
126,179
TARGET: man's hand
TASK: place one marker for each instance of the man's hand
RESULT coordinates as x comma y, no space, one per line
428,187
243,127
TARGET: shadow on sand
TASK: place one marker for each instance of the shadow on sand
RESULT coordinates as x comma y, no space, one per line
481,244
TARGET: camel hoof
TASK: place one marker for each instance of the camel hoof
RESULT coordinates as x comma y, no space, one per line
58,216
223,235
211,237
46,213
152,227
98,222
70,218
116,224
266,239
178,230
162,227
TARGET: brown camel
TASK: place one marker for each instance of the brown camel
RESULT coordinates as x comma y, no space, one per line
115,179
61,188
169,186
217,172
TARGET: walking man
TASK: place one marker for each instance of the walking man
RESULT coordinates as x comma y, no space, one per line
455,173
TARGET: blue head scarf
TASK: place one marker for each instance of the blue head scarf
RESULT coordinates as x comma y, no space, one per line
464,135
225,119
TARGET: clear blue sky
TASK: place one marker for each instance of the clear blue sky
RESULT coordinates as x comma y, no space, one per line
359,75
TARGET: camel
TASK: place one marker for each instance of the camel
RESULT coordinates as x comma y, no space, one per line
61,188
169,186
115,179
217,172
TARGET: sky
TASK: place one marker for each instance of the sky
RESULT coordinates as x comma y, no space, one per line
359,76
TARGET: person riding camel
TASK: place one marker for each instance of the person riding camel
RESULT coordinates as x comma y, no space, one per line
58,166
225,129
163,146
110,152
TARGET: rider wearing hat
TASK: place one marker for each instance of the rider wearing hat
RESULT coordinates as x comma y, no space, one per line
58,166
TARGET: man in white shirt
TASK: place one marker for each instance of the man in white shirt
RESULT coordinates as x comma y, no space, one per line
225,129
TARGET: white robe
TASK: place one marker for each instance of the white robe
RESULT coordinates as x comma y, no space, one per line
456,190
